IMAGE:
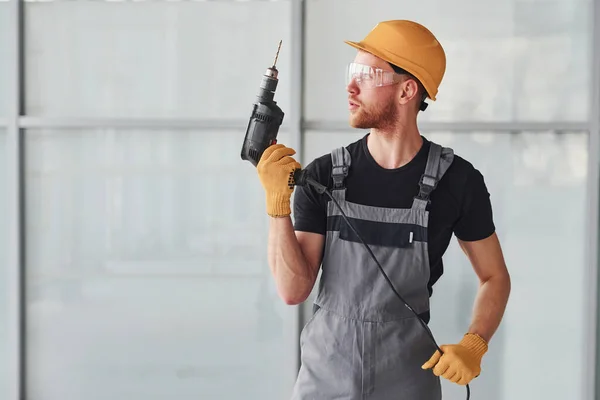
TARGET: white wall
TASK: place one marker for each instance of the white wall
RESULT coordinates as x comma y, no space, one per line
4,341
146,271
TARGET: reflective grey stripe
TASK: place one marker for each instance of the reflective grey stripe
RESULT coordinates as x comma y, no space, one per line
395,215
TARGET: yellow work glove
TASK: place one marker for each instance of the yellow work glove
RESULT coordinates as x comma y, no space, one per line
275,170
460,362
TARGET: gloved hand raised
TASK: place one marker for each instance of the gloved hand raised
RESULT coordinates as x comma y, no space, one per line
275,170
460,362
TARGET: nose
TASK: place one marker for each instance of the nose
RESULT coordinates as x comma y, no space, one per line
352,87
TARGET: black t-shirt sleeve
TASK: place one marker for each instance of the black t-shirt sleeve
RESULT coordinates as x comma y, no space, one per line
310,207
476,218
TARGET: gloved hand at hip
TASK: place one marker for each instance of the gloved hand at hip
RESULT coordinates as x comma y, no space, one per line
460,362
275,170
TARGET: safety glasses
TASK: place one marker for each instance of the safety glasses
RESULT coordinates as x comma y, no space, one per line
368,77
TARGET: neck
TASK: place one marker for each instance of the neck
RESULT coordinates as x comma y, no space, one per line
395,146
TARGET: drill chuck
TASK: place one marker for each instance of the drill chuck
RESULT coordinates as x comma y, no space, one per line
268,85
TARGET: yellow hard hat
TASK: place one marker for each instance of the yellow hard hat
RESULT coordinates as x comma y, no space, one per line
410,46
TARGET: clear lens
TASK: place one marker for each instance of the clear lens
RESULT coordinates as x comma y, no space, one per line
368,77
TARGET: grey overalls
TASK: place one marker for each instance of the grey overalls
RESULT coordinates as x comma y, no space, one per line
362,342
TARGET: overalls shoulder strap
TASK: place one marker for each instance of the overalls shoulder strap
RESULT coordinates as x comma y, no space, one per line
438,161
340,158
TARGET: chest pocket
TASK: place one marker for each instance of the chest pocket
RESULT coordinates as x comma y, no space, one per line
385,234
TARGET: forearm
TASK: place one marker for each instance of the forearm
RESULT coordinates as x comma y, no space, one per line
490,305
293,275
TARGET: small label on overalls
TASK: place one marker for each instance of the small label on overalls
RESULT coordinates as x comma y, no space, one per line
410,237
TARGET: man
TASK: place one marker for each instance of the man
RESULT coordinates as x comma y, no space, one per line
406,196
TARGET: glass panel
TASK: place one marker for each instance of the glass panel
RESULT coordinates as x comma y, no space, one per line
145,280
153,59
4,356
511,60
545,172
5,64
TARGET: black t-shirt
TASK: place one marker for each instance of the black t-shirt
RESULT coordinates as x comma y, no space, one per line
460,204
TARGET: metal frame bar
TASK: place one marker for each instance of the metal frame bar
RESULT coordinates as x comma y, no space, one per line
27,122
297,76
15,264
295,124
467,126
296,113
592,354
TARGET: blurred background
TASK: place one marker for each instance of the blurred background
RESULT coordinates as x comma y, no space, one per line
133,238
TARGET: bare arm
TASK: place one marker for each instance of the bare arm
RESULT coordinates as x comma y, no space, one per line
494,284
294,259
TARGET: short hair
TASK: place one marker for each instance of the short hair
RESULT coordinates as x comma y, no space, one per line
422,90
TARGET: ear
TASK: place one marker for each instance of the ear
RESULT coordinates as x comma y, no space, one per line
408,91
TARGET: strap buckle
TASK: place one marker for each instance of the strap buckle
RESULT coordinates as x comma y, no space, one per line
339,173
340,170
427,184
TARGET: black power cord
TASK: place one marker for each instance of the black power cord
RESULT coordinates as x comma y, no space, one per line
301,179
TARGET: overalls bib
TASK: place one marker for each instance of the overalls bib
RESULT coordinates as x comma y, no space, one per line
362,342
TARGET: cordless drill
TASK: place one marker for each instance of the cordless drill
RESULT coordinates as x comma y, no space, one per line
265,121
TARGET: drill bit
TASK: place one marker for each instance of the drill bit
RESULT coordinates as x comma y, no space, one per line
277,55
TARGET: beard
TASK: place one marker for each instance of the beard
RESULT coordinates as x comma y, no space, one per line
374,117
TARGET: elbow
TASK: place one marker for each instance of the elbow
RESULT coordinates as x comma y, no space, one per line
294,289
505,278
292,302
294,295
292,299
501,277
501,281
